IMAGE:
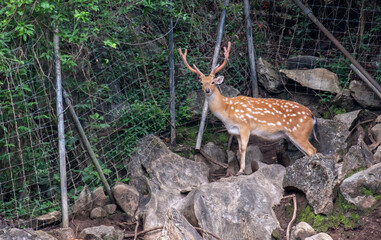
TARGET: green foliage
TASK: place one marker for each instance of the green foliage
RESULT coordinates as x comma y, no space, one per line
342,69
343,213
187,135
333,111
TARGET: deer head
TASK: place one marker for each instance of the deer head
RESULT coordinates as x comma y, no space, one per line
208,82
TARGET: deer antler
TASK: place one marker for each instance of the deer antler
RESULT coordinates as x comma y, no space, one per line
184,57
218,68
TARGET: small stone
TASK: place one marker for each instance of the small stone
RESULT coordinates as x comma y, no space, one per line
99,197
84,203
365,202
110,208
303,230
127,197
101,232
320,236
49,218
62,233
98,212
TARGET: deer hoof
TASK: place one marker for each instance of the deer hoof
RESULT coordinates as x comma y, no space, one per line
240,172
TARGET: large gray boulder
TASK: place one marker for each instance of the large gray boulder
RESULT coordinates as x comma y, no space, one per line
357,187
269,77
353,160
165,180
21,234
333,137
348,118
217,154
377,155
376,132
177,227
237,207
149,149
316,177
364,96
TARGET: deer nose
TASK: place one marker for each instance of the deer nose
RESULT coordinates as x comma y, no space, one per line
207,90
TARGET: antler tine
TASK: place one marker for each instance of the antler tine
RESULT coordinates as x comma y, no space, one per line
184,57
216,69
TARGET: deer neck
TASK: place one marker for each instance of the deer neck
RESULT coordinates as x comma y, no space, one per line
216,102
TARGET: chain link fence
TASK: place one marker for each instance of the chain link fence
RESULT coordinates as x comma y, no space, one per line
119,86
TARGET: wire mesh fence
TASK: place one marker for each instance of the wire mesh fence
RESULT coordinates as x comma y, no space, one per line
119,86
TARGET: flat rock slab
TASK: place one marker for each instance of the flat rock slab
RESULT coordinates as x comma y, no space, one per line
318,79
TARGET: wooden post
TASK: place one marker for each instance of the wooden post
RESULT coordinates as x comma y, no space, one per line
88,147
172,81
61,131
214,63
250,47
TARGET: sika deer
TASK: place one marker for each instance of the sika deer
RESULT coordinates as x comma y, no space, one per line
270,119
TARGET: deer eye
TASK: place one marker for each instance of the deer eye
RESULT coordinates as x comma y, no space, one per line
213,82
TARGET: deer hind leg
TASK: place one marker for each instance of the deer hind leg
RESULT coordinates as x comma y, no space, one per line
243,140
303,144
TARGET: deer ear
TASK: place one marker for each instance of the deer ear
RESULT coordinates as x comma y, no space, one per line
219,79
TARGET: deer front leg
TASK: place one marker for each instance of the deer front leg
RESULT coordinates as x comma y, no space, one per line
243,140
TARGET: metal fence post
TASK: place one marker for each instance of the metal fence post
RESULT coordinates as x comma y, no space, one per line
214,63
172,80
61,131
250,47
